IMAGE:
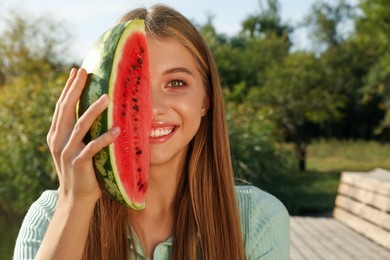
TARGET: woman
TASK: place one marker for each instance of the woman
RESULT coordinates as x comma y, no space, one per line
194,210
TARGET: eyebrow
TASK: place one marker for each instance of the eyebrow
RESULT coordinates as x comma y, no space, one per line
178,69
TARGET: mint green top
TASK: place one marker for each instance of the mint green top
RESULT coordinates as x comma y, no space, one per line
264,223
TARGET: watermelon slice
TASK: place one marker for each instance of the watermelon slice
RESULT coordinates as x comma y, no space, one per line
118,66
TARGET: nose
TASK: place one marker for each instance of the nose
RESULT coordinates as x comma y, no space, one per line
159,102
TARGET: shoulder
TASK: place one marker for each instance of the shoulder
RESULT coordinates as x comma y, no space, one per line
265,224
252,200
34,225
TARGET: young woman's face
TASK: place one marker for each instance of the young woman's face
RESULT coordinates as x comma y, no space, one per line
178,100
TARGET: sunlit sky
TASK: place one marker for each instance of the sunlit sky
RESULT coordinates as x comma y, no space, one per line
87,19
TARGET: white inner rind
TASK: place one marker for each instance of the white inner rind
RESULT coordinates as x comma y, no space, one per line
136,25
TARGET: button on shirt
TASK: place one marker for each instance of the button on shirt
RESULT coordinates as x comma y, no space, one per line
162,251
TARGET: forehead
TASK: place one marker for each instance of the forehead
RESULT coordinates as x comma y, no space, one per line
165,53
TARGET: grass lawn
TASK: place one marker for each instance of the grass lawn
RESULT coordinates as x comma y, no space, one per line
325,156
316,188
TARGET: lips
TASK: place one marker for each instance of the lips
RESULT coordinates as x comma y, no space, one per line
161,132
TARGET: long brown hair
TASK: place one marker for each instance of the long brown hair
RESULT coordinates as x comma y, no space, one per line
207,224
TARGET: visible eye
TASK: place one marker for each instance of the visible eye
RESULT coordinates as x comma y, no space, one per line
177,83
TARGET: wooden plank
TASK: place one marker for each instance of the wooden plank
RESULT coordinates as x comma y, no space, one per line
377,180
295,254
302,243
337,238
345,244
318,243
334,245
373,232
296,244
375,216
353,243
368,197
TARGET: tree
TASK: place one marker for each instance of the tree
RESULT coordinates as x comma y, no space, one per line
243,58
256,154
34,75
266,22
266,42
328,23
297,99
226,54
347,63
31,45
26,167
372,32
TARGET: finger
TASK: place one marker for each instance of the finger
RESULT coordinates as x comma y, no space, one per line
67,108
85,122
69,82
97,144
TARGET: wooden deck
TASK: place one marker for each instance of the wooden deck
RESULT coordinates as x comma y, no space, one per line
326,238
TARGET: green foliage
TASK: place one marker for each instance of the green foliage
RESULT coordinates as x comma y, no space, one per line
296,94
31,45
372,32
260,54
256,155
328,23
262,42
297,99
354,42
266,22
9,228
26,167
33,80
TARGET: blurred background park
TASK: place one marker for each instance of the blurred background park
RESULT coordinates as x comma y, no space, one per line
298,117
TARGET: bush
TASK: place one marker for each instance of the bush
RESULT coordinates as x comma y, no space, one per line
26,167
256,154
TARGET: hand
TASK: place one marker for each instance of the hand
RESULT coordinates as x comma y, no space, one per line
73,158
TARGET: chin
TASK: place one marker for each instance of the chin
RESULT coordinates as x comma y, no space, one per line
166,158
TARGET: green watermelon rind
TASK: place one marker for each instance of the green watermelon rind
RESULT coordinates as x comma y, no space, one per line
96,63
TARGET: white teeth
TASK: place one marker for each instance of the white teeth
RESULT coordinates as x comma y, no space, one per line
161,132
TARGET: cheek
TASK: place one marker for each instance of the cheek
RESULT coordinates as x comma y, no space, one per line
192,107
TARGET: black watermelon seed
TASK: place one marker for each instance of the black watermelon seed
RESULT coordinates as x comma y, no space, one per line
139,151
139,61
134,67
142,50
136,108
134,99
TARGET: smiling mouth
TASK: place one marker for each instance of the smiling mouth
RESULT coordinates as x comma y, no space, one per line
161,131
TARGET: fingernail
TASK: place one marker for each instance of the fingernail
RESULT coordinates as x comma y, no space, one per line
82,70
72,72
116,130
104,99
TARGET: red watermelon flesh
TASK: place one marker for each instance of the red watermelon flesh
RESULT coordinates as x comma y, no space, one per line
131,110
118,65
